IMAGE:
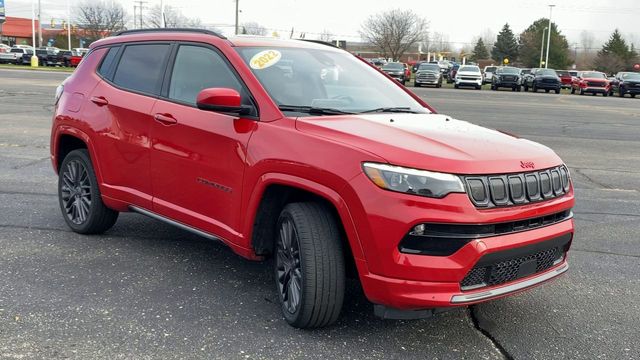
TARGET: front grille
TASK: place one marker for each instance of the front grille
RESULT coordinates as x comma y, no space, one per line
509,78
595,84
489,191
503,267
550,81
469,78
427,76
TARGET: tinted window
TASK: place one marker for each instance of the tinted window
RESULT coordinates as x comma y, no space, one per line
592,74
470,68
198,68
141,67
431,67
17,51
107,63
490,69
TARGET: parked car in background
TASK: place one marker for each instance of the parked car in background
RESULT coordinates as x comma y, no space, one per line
48,57
415,66
396,70
14,56
451,76
573,73
407,71
545,79
487,74
625,83
428,74
70,58
593,82
524,72
508,77
4,48
469,75
566,78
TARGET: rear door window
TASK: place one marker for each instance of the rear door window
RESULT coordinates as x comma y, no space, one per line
141,67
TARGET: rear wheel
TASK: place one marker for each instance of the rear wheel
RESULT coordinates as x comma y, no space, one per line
309,265
557,91
80,198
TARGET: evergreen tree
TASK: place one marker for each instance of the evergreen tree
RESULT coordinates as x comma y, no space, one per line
530,40
480,51
615,55
506,46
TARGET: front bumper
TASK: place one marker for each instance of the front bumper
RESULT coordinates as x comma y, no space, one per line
595,90
407,281
468,82
548,86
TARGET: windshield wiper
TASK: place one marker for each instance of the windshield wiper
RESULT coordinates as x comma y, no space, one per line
313,110
404,109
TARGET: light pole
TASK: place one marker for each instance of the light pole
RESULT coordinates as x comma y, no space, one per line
69,24
546,61
542,45
237,11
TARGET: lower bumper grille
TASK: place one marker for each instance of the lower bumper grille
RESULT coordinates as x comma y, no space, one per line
503,267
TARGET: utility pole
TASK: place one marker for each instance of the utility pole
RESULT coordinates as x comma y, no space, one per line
162,20
542,45
69,24
546,61
39,24
135,16
237,12
141,6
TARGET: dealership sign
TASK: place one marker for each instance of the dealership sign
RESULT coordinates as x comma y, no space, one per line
1,11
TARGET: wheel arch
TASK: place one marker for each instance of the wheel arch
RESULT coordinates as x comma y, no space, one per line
275,191
67,139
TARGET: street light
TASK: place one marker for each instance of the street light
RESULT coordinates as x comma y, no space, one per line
546,61
542,45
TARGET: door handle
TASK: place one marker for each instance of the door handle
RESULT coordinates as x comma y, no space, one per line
99,100
165,119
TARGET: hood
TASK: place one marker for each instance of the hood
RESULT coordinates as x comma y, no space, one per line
469,73
547,77
432,142
595,79
428,71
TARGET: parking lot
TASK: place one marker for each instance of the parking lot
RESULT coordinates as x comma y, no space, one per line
147,290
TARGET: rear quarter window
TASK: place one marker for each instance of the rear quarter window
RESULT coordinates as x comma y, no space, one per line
109,60
141,67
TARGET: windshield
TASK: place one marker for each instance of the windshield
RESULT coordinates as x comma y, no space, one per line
546,72
429,67
593,74
469,68
562,73
508,70
327,79
631,76
393,66
490,69
17,50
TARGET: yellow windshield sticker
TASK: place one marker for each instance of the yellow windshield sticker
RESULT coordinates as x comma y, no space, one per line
264,59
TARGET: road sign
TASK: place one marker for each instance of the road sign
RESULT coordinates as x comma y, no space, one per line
506,61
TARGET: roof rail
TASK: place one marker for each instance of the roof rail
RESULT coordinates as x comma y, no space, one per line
156,30
319,42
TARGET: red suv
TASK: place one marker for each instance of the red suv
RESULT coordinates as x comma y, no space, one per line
302,152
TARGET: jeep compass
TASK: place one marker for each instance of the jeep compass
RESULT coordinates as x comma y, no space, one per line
300,152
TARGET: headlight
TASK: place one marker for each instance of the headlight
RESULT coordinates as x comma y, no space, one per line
413,181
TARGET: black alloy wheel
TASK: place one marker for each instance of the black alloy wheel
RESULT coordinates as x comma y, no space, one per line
76,192
79,196
288,269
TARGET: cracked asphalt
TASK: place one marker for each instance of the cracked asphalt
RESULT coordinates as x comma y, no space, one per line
145,290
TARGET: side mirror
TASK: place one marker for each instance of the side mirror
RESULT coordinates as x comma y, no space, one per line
222,100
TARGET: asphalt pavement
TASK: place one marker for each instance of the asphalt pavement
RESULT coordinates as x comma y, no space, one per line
145,290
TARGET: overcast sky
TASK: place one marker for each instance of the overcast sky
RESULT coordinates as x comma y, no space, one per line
460,20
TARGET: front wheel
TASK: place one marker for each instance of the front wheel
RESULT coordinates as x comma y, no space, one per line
80,198
557,91
573,90
526,88
309,265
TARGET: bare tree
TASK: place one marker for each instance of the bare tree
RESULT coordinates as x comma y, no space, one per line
99,19
326,35
440,42
587,45
394,31
488,38
253,28
174,18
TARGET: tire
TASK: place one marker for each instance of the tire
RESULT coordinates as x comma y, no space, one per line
456,86
581,91
416,85
557,91
547,90
620,93
77,172
605,94
633,95
573,90
534,88
438,85
478,87
518,88
526,88
316,266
